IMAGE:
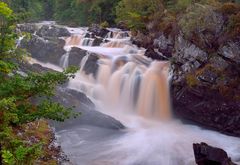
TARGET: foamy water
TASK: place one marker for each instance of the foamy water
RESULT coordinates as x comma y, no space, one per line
135,91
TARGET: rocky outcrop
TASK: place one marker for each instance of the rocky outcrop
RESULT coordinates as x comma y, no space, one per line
97,41
44,50
91,66
96,30
82,104
164,44
142,40
76,55
53,31
27,27
205,63
208,155
205,87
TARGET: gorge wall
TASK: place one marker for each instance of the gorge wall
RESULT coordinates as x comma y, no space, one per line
205,59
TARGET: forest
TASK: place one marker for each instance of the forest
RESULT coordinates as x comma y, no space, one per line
108,12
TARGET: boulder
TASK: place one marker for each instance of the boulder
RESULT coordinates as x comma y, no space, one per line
45,50
76,55
231,51
89,116
91,65
98,31
97,42
208,155
53,31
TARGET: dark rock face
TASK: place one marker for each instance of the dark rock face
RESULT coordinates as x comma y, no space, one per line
208,155
208,108
45,50
205,63
76,55
142,40
53,31
153,54
97,41
164,45
91,66
82,104
98,31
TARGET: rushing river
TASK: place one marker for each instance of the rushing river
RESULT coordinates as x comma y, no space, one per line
135,91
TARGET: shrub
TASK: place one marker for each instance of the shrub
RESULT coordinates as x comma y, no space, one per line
197,19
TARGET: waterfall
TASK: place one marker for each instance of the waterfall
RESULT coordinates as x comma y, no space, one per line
83,62
64,60
134,90
87,42
140,85
74,40
19,40
139,89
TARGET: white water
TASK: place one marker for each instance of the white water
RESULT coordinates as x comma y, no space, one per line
135,91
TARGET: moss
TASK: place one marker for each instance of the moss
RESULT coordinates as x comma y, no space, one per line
104,24
191,80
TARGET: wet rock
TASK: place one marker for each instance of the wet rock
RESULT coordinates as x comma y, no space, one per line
45,50
53,31
91,66
208,155
206,107
151,53
89,116
97,42
231,51
27,27
98,31
76,55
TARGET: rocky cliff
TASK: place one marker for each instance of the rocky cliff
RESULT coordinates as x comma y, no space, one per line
205,56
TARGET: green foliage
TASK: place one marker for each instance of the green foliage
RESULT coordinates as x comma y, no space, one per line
136,13
84,13
23,99
8,157
104,24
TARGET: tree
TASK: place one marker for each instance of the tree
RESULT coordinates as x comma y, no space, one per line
136,13
16,93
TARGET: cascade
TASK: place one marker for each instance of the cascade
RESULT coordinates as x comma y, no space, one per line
134,90
87,42
64,60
